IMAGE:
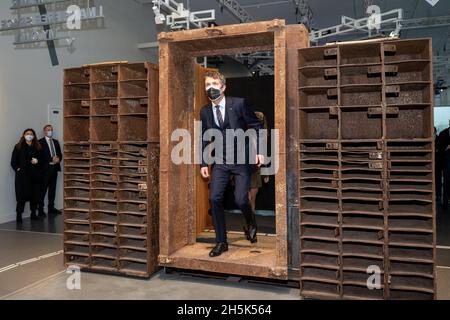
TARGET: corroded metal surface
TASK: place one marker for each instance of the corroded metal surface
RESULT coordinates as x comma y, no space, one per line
177,182
111,168
367,197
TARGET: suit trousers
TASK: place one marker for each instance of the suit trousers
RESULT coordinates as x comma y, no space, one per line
49,185
220,178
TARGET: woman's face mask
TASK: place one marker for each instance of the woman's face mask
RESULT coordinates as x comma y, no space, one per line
29,137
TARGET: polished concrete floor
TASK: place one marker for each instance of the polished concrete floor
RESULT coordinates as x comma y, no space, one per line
31,267
159,287
28,257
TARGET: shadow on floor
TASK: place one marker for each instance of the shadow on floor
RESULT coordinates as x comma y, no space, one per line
51,224
236,221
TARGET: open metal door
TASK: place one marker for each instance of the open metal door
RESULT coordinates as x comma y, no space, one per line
204,220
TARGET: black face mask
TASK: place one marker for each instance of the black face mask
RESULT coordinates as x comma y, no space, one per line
213,94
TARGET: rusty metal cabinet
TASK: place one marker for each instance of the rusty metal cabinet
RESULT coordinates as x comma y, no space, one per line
111,168
366,170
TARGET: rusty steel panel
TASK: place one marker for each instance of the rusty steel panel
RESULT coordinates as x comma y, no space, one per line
111,168
296,38
366,189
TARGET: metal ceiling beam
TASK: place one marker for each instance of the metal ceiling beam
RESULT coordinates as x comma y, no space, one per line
360,25
303,12
236,10
393,17
431,22
178,17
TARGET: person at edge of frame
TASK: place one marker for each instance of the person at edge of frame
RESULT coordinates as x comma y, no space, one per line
443,145
256,180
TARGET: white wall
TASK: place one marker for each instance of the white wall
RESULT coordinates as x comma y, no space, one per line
441,118
28,82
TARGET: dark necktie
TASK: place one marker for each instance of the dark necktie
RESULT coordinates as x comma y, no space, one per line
52,148
219,116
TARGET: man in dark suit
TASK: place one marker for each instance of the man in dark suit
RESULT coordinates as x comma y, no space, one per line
222,114
438,164
443,145
52,165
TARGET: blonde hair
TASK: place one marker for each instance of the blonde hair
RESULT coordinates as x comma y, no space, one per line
262,118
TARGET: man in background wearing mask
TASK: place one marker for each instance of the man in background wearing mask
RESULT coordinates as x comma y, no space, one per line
52,165
225,113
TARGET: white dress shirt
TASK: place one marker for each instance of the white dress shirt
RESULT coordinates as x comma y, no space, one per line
222,105
49,142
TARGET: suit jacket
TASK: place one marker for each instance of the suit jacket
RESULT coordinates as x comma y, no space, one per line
238,115
47,154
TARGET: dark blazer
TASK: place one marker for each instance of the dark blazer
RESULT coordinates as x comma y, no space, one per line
238,115
47,154
27,174
443,140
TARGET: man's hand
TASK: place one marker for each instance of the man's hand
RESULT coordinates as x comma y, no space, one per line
34,161
448,148
205,172
266,179
260,159
55,160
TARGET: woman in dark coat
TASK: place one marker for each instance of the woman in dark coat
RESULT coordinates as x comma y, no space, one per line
26,161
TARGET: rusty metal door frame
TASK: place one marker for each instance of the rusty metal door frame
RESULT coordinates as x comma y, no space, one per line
177,183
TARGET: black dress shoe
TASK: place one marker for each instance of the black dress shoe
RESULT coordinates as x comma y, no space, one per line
251,234
219,249
42,214
251,230
54,211
19,218
33,216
